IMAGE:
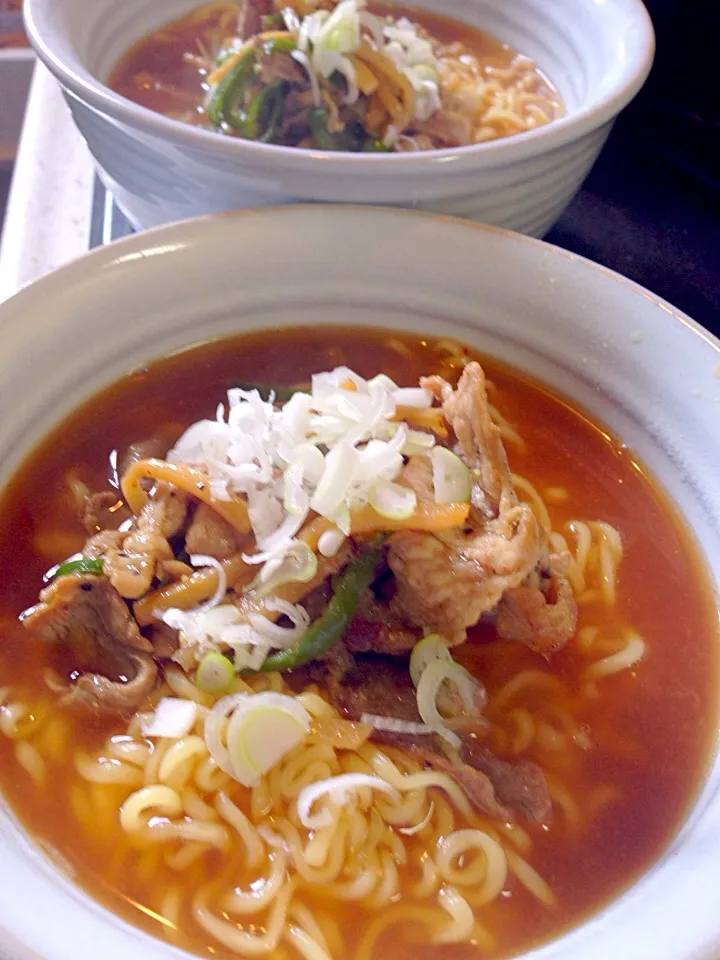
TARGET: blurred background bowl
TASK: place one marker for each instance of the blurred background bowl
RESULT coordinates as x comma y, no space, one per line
596,52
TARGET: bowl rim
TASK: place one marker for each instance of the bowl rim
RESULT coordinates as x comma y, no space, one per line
163,235
566,129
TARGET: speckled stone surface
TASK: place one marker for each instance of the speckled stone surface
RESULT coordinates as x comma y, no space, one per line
48,212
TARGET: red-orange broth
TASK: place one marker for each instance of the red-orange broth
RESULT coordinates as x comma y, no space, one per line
651,729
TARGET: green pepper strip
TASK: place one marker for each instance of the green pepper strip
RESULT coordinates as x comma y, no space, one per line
374,145
282,394
317,121
267,102
331,625
221,105
276,112
353,139
85,565
279,45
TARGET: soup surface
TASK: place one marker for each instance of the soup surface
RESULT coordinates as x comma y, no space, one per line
336,76
620,721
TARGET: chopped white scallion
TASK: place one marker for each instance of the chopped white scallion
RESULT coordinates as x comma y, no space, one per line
391,500
173,718
324,450
418,442
291,20
304,60
340,465
452,479
274,635
383,381
183,620
296,499
299,565
412,397
337,790
413,55
330,542
395,725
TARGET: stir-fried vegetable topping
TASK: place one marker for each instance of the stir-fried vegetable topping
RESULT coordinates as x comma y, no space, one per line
333,623
368,78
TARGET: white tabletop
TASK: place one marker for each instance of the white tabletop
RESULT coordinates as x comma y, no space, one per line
48,216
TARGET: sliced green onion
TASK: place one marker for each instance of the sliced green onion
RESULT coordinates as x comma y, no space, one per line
432,647
85,565
392,500
452,480
418,442
262,730
299,566
214,674
337,790
341,31
431,679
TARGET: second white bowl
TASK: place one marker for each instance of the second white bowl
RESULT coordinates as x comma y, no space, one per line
598,55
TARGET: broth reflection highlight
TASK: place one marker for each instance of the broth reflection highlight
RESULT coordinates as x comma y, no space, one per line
336,76
578,734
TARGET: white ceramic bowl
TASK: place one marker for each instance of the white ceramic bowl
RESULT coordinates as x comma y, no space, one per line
648,372
597,52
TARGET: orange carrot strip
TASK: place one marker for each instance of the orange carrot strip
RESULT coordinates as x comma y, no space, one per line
192,481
